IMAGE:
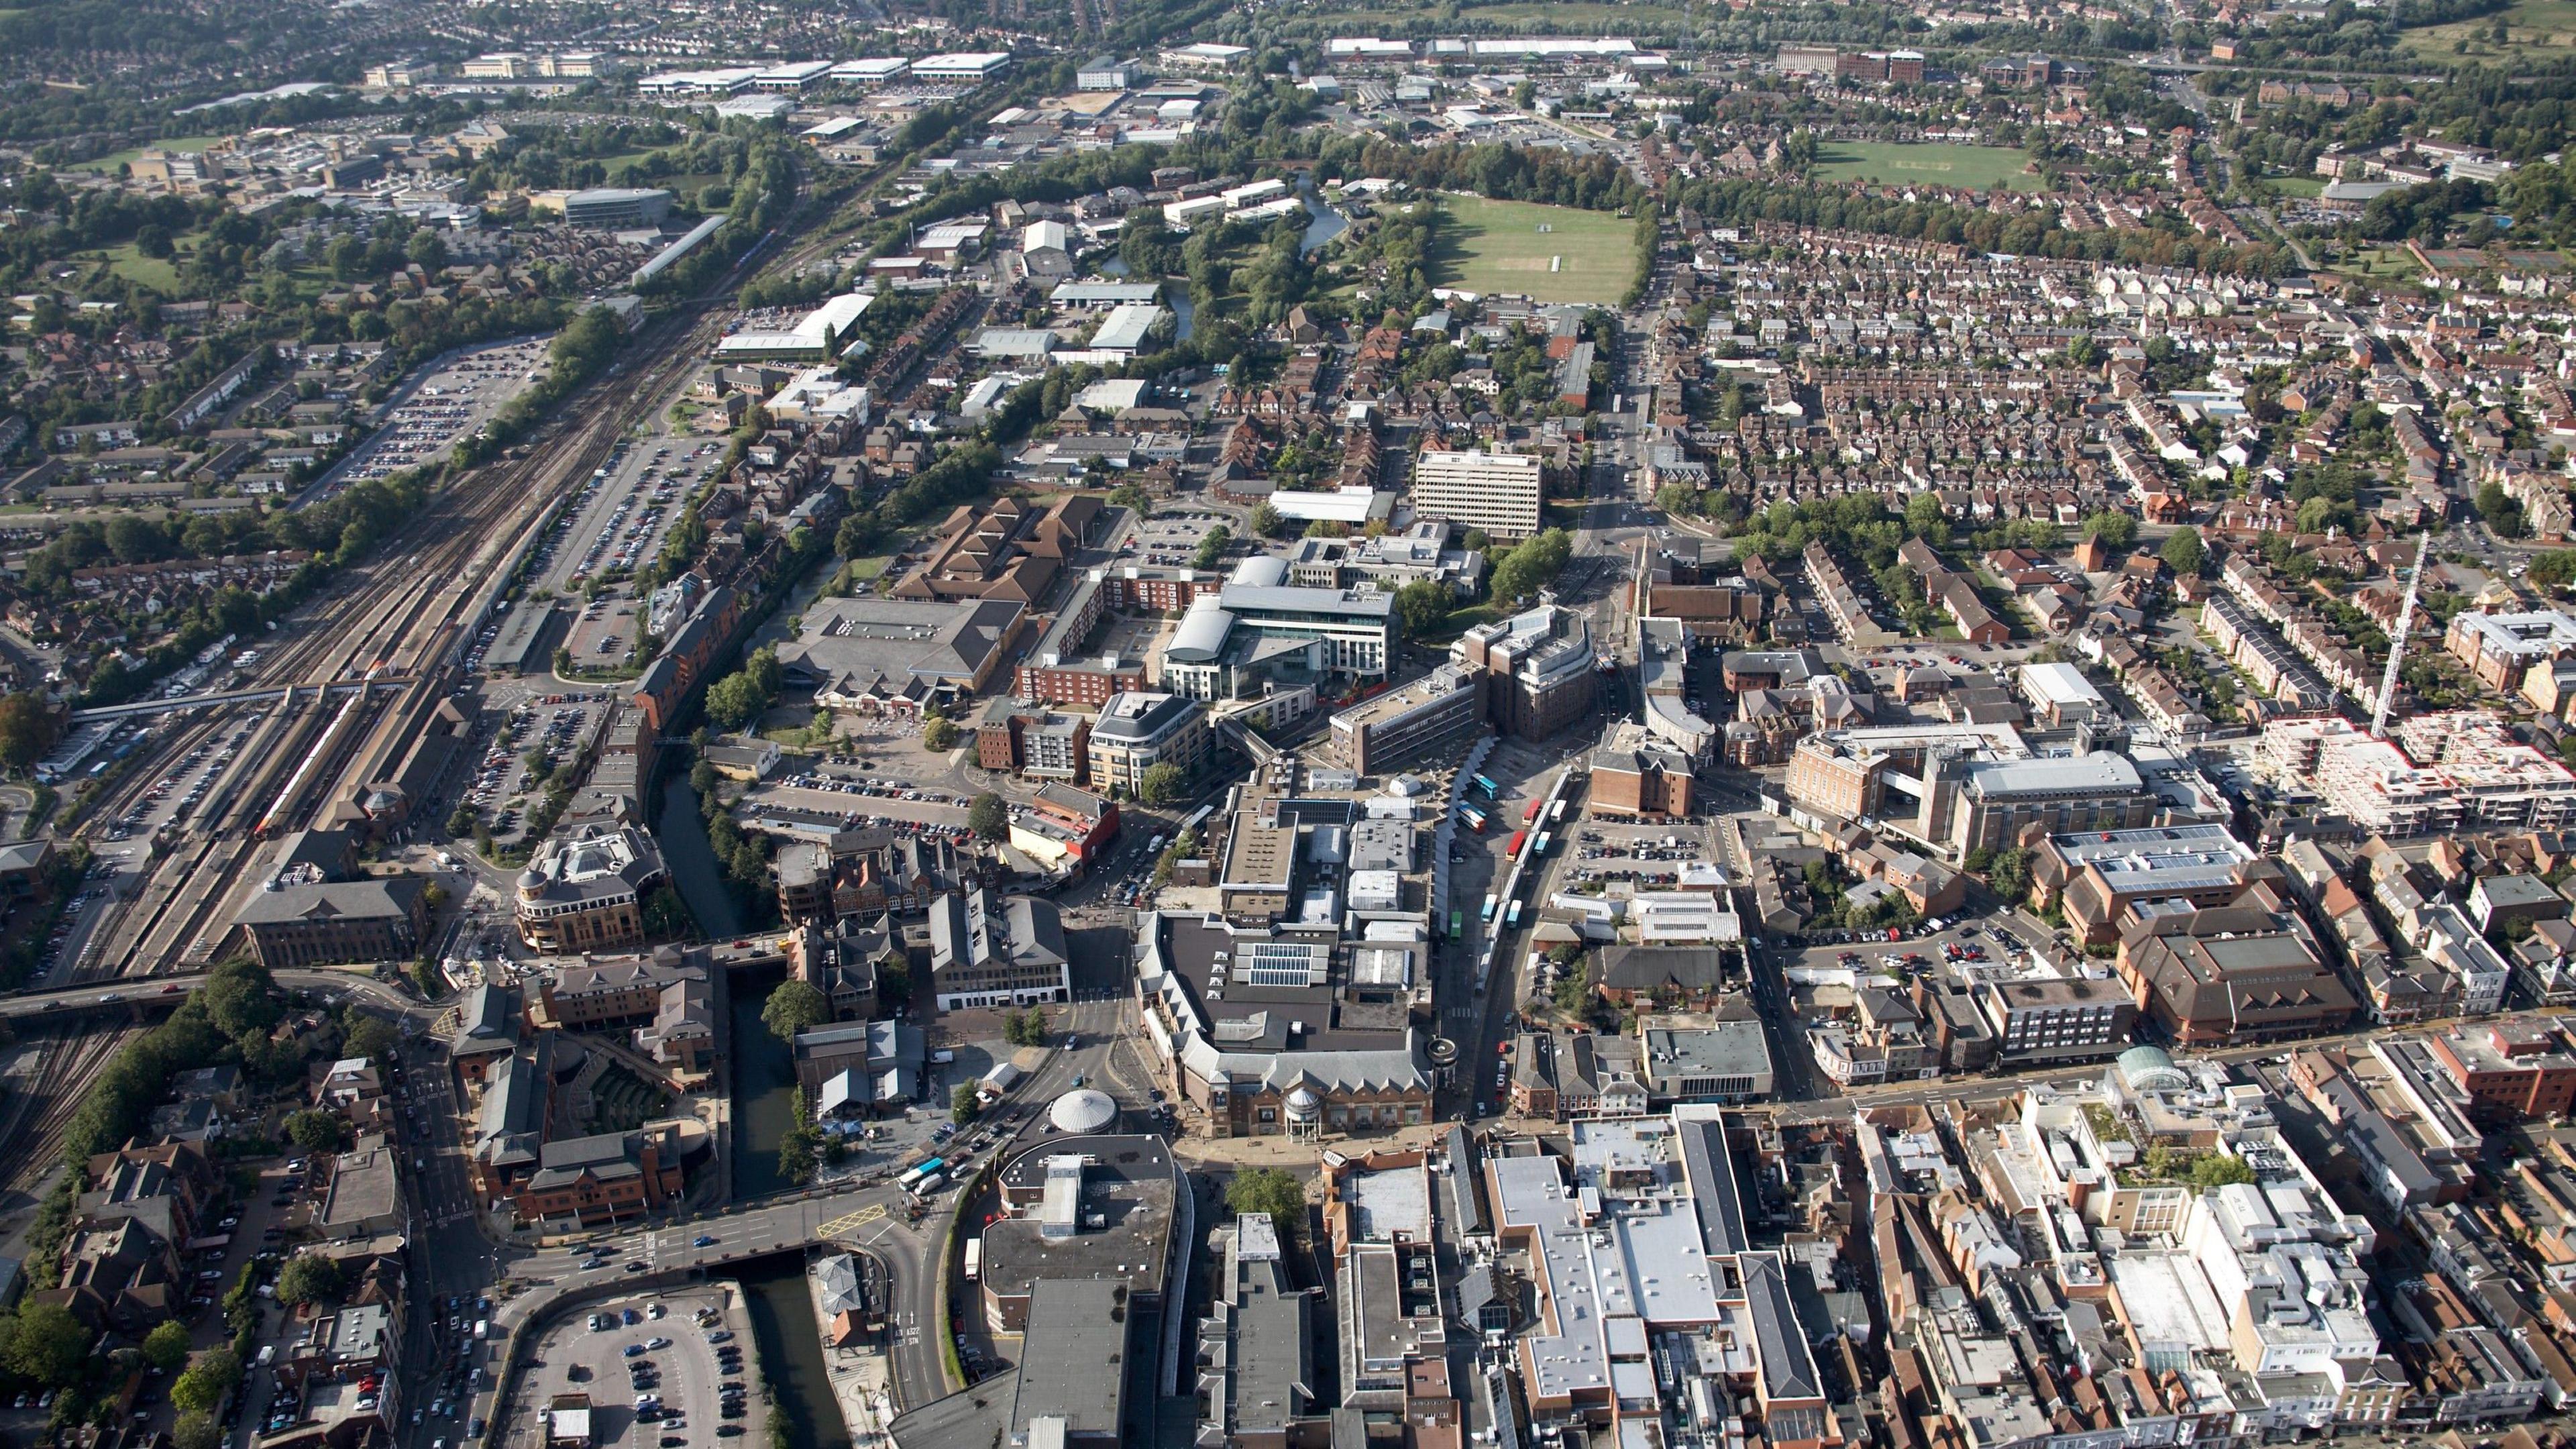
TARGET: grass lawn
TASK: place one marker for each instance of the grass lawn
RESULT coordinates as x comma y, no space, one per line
1498,246
2305,186
2384,264
1937,163
687,185
615,159
151,272
2532,27
1459,622
107,164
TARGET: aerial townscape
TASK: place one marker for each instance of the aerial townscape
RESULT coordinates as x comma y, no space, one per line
1295,724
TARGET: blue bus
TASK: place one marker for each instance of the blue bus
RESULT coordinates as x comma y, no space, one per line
1512,920
1492,790
919,1171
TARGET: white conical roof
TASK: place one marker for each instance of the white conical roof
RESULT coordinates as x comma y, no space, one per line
1083,1110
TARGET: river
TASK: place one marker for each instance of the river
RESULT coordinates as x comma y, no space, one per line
682,832
1326,223
764,1084
764,1087
763,1070
791,1351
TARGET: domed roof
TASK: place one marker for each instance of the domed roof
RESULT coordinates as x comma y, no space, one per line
1261,571
532,879
1083,1110
2149,1069
1304,1102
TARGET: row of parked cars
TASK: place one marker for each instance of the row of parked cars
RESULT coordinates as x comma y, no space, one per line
195,762
665,479
886,789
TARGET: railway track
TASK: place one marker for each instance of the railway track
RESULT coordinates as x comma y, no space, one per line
407,610
413,619
38,1117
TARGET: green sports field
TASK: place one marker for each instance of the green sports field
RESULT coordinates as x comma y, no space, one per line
1931,163
1550,253
108,163
2533,30
153,272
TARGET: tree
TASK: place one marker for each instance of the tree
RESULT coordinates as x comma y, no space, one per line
2115,530
740,697
196,1431
317,1131
1533,565
796,1150
1265,520
1925,519
1571,992
1161,784
166,1346
704,779
1273,1193
2010,873
28,728
47,1344
1212,547
963,1105
2555,569
218,1371
2184,553
734,701
854,536
988,817
1423,605
308,1278
368,1037
1027,1028
241,1000
795,1006
2501,513
939,736
2219,1169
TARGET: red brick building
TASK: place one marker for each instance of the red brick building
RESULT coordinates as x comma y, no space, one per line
2514,1067
603,1179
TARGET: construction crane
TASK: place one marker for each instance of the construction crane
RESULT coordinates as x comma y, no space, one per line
2397,639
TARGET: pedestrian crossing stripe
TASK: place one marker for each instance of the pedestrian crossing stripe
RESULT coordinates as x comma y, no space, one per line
852,1222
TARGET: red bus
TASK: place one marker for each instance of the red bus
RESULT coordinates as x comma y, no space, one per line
1529,812
1513,852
